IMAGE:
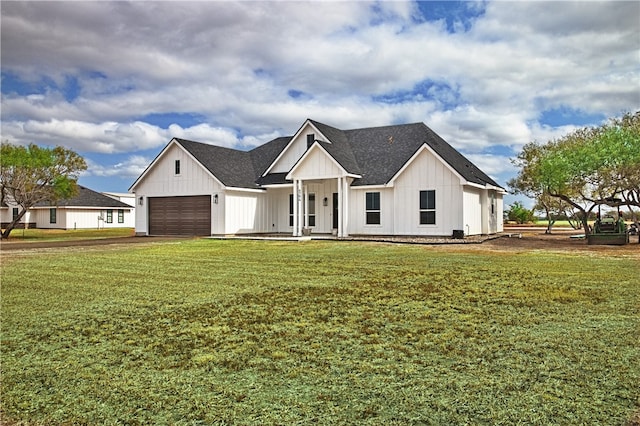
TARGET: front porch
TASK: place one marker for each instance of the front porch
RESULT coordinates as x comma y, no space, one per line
320,207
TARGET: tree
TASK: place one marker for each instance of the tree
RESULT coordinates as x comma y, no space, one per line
518,213
586,168
556,209
31,175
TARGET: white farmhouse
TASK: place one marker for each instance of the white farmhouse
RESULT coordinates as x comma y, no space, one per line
392,180
87,210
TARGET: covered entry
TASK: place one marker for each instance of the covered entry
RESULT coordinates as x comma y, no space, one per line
180,215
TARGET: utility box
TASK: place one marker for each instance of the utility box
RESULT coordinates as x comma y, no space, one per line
458,234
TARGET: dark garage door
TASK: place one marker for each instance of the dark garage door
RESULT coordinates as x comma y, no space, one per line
180,215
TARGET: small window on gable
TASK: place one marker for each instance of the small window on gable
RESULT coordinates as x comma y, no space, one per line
177,167
311,138
428,207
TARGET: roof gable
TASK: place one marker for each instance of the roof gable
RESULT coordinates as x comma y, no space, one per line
317,163
294,149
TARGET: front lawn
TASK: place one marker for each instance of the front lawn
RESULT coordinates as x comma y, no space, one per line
255,332
46,235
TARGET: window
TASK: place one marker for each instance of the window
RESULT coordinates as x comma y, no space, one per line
177,170
290,209
120,216
53,215
15,213
310,140
428,207
372,208
312,209
109,216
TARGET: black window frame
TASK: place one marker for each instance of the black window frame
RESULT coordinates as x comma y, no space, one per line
53,215
109,216
176,169
290,209
120,216
428,207
372,208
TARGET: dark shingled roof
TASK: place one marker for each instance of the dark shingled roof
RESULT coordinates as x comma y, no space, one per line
232,167
375,153
266,154
382,151
89,198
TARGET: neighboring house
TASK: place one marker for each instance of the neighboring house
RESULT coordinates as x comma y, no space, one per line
88,209
392,180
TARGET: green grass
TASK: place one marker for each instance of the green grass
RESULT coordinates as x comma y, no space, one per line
242,332
556,224
43,235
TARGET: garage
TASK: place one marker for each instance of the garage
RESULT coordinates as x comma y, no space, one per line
180,215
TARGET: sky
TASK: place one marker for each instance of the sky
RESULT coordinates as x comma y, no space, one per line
115,81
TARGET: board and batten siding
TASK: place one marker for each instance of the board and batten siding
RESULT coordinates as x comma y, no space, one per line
247,212
357,212
426,172
194,179
318,165
499,212
472,211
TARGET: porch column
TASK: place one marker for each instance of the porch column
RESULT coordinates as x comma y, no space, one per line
295,208
300,209
306,206
345,209
340,207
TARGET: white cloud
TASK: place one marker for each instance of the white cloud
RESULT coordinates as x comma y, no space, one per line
204,133
130,168
235,63
493,165
108,137
471,130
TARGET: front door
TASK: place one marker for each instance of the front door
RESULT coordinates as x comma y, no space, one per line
335,210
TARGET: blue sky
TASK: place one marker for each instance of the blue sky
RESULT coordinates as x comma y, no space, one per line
115,81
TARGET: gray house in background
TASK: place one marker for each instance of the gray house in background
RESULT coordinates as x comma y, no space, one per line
391,180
